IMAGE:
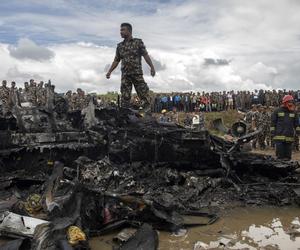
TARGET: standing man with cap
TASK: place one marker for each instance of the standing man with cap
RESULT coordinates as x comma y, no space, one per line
130,51
284,125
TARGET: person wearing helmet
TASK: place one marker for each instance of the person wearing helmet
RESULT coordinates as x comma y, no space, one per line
284,125
164,118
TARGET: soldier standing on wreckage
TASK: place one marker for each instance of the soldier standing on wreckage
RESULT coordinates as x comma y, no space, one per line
284,125
4,97
130,52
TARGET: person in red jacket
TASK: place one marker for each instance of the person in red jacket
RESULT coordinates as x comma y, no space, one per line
284,125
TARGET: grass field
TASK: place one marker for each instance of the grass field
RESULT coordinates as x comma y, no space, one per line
228,117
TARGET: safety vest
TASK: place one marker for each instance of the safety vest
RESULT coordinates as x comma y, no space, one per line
284,124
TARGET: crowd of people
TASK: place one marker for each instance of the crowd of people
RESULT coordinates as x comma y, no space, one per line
257,106
219,101
259,117
40,95
36,93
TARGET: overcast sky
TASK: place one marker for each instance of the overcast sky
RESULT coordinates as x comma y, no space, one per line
195,44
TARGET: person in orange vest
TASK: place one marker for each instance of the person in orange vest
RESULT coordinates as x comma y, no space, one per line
284,126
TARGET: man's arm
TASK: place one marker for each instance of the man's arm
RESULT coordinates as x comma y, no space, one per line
149,62
115,63
112,68
144,53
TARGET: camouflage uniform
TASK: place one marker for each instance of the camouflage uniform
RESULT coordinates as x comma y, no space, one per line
201,121
174,117
263,123
268,132
4,97
86,100
80,100
68,97
13,97
249,117
74,101
41,95
255,123
32,94
130,53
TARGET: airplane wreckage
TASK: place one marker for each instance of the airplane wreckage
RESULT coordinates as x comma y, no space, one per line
70,176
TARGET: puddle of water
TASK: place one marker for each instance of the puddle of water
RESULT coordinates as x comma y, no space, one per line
250,228
240,228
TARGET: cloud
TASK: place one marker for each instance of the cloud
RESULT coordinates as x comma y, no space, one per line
15,74
27,49
158,65
84,65
259,72
217,62
189,41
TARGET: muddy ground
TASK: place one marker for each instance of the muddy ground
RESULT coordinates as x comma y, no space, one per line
271,151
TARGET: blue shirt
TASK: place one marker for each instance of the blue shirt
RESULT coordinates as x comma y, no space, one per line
177,98
164,99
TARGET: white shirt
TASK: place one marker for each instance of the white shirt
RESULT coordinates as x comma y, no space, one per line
196,120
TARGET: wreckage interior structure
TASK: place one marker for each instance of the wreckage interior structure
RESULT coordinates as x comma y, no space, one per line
70,176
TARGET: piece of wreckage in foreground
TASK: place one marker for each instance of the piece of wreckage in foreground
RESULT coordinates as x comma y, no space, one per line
108,169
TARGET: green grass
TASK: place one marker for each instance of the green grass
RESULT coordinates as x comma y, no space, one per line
228,117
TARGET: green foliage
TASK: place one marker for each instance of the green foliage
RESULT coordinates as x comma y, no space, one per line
109,96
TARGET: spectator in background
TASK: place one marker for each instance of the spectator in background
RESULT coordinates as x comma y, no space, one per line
255,99
229,101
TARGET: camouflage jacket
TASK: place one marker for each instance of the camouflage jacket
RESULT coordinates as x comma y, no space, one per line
263,120
130,53
41,95
250,116
4,94
32,94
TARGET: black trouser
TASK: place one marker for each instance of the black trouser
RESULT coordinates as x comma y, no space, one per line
284,150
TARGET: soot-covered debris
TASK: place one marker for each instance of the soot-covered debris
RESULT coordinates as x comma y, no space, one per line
69,177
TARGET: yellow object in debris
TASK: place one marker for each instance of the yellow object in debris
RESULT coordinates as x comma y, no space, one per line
33,203
50,163
75,234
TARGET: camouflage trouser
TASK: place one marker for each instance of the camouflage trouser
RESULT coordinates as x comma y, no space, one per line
5,106
261,139
140,86
41,101
296,143
268,136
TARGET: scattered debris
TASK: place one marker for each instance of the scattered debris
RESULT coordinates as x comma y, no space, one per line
68,177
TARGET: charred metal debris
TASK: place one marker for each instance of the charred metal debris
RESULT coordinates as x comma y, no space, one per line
67,177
